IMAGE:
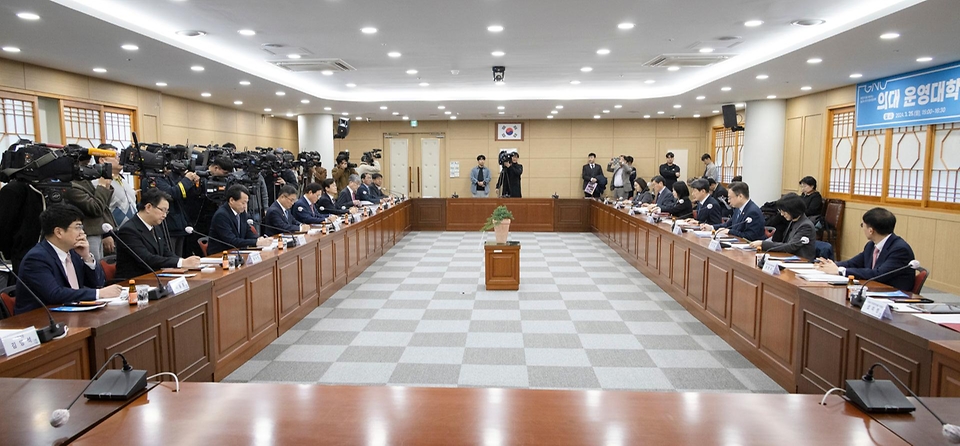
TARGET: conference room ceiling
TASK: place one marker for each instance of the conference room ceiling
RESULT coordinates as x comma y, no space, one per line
546,46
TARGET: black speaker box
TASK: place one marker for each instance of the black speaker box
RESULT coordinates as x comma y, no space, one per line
343,128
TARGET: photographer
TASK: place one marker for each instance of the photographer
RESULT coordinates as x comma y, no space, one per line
197,207
344,169
182,189
509,182
93,199
123,202
368,163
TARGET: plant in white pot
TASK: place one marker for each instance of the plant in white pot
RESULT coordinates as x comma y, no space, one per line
499,221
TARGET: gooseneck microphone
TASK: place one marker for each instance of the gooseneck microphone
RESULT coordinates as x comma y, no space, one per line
748,220
951,432
52,331
858,300
190,230
130,382
161,290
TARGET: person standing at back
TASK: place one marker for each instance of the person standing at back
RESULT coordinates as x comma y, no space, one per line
509,183
480,178
669,171
710,169
622,172
591,173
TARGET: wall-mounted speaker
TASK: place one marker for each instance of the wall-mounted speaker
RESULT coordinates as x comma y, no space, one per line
343,128
730,117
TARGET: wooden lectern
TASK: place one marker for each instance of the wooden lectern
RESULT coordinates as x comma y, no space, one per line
502,264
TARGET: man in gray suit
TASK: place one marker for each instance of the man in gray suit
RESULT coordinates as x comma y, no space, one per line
622,171
480,178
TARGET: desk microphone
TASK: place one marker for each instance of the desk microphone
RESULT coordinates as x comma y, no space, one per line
745,221
161,290
283,231
119,385
858,300
190,230
52,331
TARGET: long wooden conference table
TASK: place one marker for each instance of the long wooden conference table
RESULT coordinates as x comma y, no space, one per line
803,335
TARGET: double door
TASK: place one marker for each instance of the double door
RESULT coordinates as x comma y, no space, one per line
414,160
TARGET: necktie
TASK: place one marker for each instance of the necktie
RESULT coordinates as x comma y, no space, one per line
286,217
239,228
352,195
876,253
312,212
71,272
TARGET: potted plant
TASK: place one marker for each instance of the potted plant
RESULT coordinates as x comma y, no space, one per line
499,221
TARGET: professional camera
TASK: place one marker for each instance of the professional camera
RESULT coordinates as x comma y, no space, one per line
307,159
152,159
505,157
51,167
345,155
368,157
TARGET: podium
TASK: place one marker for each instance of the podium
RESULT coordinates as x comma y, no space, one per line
502,265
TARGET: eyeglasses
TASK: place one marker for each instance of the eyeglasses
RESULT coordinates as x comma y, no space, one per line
78,227
164,210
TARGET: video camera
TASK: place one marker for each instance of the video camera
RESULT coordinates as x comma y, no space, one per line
153,159
345,155
307,159
505,157
52,166
368,157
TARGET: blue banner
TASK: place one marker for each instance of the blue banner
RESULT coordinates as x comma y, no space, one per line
923,97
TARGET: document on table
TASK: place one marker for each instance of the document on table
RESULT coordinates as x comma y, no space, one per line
821,277
211,261
703,234
742,246
805,267
940,318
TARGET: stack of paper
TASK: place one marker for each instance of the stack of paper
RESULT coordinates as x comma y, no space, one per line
804,267
703,234
743,246
817,276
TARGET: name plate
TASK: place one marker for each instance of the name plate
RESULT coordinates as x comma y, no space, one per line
178,285
650,219
771,267
313,232
336,225
677,229
715,245
630,212
876,308
300,239
253,258
373,210
16,341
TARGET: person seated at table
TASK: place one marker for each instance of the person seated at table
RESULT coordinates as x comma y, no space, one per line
61,268
664,196
682,207
279,214
747,220
305,209
883,253
348,196
799,237
325,203
229,224
641,193
709,210
144,236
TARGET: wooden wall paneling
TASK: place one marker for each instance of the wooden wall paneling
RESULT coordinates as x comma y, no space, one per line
653,249
68,358
340,258
262,300
870,348
572,215
310,275
231,312
679,273
823,352
190,336
945,377
144,345
327,268
430,214
642,243
697,278
746,306
630,238
288,279
666,254
778,320
718,291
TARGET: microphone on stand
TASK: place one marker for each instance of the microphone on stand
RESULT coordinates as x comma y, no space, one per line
161,291
52,331
119,385
190,230
858,300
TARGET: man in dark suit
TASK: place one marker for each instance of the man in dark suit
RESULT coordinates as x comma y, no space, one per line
61,268
363,191
884,252
669,171
229,223
747,220
664,196
348,196
325,203
143,236
591,174
279,214
708,209
375,188
305,209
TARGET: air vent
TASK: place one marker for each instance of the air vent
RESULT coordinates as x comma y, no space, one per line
687,60
313,65
499,116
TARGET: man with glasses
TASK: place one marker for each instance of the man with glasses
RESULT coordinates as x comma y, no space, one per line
279,217
61,268
144,237
883,253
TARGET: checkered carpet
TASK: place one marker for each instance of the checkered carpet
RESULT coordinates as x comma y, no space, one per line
583,319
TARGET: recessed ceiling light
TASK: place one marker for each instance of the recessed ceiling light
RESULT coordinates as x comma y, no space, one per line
889,36
649,81
646,116
856,76
424,84
586,69
441,107
574,82
452,117
660,112
383,107
345,114
28,16
368,30
268,110
762,76
205,94
706,50
806,88
406,118
197,68
245,83
351,85
697,115
618,106
677,106
448,112
606,111
700,98
626,25
740,104
549,116
293,56
500,113
99,70
497,54
327,109
130,47
673,68
281,93
500,107
553,112
924,59
808,22
771,96
603,51
327,73
814,60
237,102
394,54
494,28
715,111
247,32
304,101
725,89
395,113
596,116
289,115
411,71
753,23
161,84
191,33
559,107
11,49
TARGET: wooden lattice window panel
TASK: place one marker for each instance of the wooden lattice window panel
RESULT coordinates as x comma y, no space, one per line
945,168
907,155
18,119
727,149
869,164
841,140
90,125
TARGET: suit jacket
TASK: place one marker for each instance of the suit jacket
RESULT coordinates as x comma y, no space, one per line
588,173
474,173
800,239
643,197
275,218
710,211
149,245
326,205
224,226
896,253
376,193
625,173
307,213
363,193
750,231
43,273
681,208
345,200
665,199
